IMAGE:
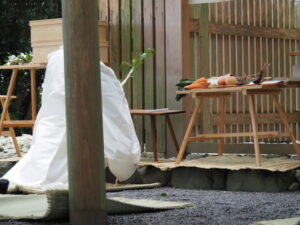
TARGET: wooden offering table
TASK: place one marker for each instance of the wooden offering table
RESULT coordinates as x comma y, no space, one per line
250,91
5,121
153,114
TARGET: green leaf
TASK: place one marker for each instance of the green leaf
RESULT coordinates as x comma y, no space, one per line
136,63
163,195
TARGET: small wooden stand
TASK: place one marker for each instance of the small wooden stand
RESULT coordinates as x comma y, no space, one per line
250,91
153,115
5,121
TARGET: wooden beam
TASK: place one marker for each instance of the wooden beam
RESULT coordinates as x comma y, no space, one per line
84,113
263,118
294,53
270,134
247,148
249,31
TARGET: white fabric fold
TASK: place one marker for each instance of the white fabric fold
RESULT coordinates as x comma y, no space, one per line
45,164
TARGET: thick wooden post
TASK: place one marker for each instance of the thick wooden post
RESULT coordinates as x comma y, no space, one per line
84,113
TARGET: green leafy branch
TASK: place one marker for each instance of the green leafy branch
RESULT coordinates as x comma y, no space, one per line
22,58
135,63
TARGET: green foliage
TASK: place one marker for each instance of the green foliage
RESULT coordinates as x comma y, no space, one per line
22,58
136,63
15,39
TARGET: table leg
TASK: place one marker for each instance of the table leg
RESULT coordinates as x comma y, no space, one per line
33,93
286,124
172,133
189,130
12,134
153,130
254,129
222,104
8,97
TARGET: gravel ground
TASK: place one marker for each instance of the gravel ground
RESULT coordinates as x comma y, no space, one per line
210,208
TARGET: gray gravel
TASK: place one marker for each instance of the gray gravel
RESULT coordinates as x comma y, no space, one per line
211,208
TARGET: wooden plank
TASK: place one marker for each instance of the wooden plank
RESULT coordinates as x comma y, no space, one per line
294,53
160,70
244,134
11,132
156,113
175,69
189,130
149,88
18,123
254,129
8,98
126,45
186,53
284,120
103,9
244,148
137,83
251,31
114,35
204,61
25,66
33,93
262,118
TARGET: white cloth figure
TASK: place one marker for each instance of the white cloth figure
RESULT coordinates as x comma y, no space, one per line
45,164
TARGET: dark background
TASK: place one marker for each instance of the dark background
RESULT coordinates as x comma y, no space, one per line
14,39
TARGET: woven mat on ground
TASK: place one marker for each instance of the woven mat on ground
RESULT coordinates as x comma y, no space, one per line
109,188
54,205
290,221
231,162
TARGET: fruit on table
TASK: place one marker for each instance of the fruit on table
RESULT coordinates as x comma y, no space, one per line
230,80
221,80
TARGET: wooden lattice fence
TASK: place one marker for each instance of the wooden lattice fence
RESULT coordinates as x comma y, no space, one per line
236,36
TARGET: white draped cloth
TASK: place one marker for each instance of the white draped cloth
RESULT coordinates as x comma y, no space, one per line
45,164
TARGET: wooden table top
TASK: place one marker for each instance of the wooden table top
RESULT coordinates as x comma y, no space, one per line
295,53
24,66
156,112
228,89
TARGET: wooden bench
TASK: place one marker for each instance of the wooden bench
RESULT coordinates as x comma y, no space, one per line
153,114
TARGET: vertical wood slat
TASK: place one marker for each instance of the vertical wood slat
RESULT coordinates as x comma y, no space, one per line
137,83
114,35
160,71
126,44
174,58
149,67
103,12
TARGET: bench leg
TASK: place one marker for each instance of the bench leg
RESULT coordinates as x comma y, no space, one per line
222,105
153,131
254,129
286,124
172,133
189,130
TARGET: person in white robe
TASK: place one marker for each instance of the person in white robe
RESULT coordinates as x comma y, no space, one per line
45,164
